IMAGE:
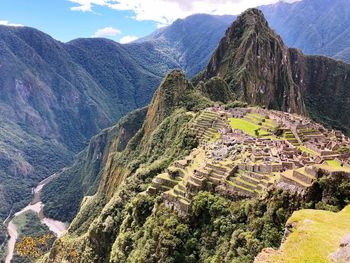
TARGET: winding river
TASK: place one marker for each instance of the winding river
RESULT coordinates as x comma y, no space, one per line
35,205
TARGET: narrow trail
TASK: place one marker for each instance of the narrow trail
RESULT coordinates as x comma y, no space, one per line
36,206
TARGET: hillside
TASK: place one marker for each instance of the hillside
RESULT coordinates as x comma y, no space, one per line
102,81
56,96
190,41
315,236
318,27
206,178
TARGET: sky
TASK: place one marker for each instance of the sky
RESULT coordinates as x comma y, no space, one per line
120,20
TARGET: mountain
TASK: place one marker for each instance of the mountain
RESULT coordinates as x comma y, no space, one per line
56,96
320,27
260,70
83,177
255,64
190,41
206,178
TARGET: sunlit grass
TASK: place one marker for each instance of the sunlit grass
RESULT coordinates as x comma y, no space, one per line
315,235
247,127
334,163
307,150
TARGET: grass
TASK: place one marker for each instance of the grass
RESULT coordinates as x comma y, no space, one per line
334,163
315,235
240,186
307,150
247,127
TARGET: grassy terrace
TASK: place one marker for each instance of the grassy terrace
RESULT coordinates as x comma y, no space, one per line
247,127
307,150
315,235
334,163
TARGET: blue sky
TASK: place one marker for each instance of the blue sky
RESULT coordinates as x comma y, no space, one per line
120,20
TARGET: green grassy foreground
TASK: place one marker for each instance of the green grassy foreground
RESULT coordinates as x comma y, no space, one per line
315,235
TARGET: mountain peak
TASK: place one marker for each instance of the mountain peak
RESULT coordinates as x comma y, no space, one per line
170,94
255,63
252,20
252,17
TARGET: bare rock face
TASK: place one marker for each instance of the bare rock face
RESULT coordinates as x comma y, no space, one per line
343,252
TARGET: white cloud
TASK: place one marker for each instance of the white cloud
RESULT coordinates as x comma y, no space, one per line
7,23
86,5
107,32
127,39
166,11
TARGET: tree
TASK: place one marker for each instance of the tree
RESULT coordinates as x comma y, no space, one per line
33,247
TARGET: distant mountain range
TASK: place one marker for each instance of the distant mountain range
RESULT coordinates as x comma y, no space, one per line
317,27
190,42
320,27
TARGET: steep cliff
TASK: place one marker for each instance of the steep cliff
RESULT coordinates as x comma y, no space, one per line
83,177
255,63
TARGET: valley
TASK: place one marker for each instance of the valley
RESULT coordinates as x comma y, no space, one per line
35,206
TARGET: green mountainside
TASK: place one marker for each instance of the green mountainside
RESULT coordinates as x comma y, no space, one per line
55,97
190,42
201,177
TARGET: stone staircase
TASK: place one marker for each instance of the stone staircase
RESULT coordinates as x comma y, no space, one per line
250,183
168,180
302,178
207,125
289,136
306,134
180,195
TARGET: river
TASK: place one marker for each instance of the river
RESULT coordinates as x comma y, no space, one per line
57,227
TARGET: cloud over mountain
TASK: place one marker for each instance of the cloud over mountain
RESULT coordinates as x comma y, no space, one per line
165,12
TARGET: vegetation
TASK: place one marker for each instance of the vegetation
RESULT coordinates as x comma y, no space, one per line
218,230
34,238
248,127
316,234
31,248
334,163
83,177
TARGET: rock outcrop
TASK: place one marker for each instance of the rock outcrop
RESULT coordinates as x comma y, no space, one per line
343,252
